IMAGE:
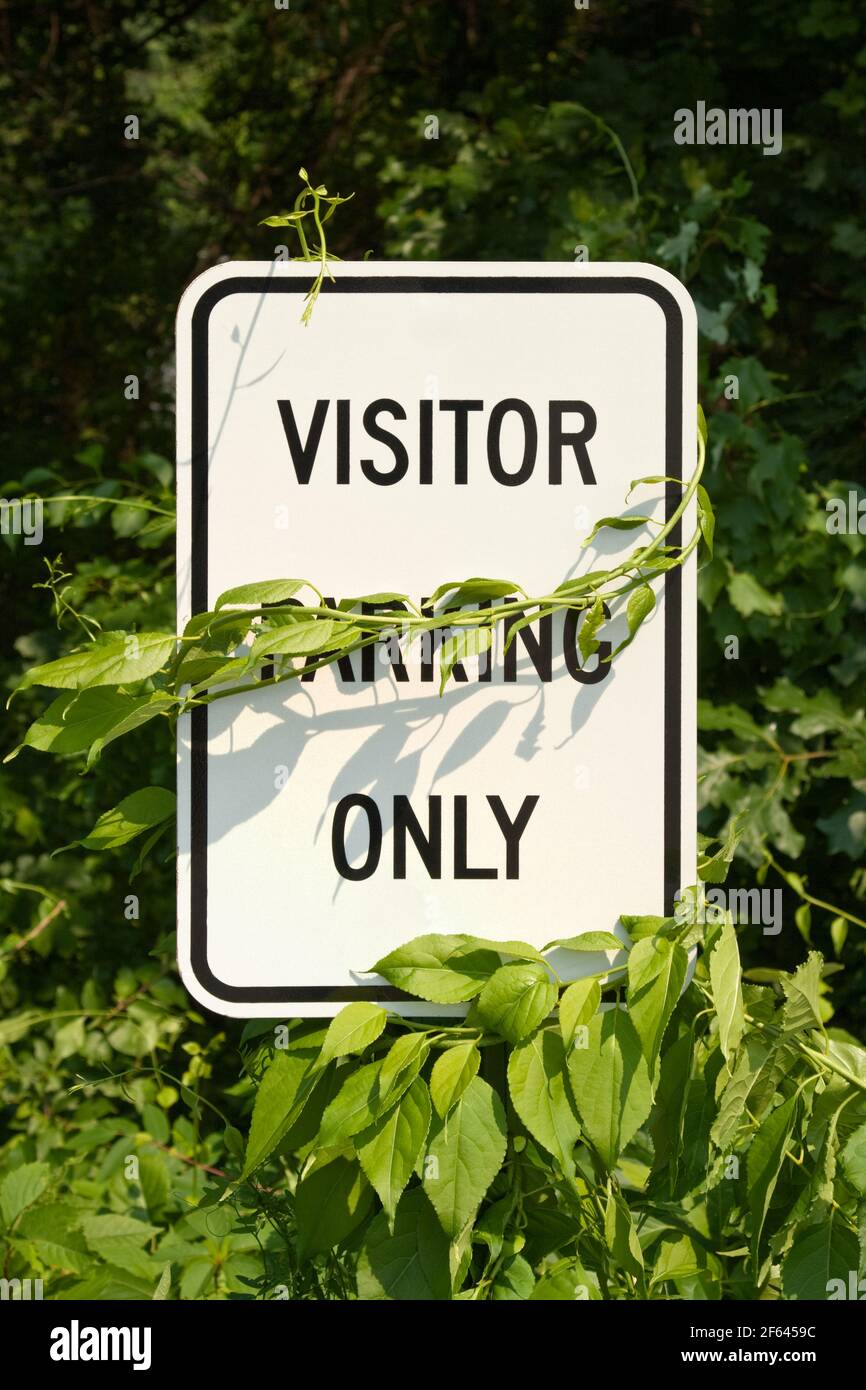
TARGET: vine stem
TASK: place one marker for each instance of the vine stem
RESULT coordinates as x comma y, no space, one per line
401,623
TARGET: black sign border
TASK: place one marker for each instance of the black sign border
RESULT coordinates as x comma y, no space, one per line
674,453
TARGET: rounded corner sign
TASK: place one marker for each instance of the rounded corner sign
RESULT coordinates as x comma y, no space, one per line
433,422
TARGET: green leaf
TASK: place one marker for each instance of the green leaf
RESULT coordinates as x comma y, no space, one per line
452,1073
403,1060
802,1002
280,1097
163,1288
109,1284
471,641
354,1108
750,597
616,523
610,1083
353,1029
154,1182
516,999
286,220
640,604
363,1098
474,591
410,1263
330,1202
443,969
706,519
818,1255
576,1007
521,949
854,1159
130,817
567,1282
714,868
53,1233
732,1109
587,641
262,594
21,1188
677,1256
389,1150
725,979
765,1157
621,1236
116,662
118,1239
514,1280
656,971
79,720
465,1154
588,941
540,1095
307,638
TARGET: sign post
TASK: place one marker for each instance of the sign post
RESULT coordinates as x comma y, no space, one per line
433,423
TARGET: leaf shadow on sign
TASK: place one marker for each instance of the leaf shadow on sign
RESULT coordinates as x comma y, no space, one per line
396,735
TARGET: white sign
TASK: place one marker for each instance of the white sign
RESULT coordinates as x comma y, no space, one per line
433,423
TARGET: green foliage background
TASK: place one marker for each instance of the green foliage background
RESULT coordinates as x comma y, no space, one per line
100,236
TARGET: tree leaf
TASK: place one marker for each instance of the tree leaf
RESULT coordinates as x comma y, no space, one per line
116,662
516,999
470,641
514,1280
621,1236
118,1240
443,969
403,1060
21,1188
610,1083
305,638
75,721
130,817
576,1007
389,1150
465,1154
540,1095
330,1202
355,1106
567,1282
765,1157
616,523
854,1159
410,1263
262,594
588,941
474,591
452,1073
53,1232
588,643
725,977
282,1092
352,1029
640,604
656,971
802,1001
819,1254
